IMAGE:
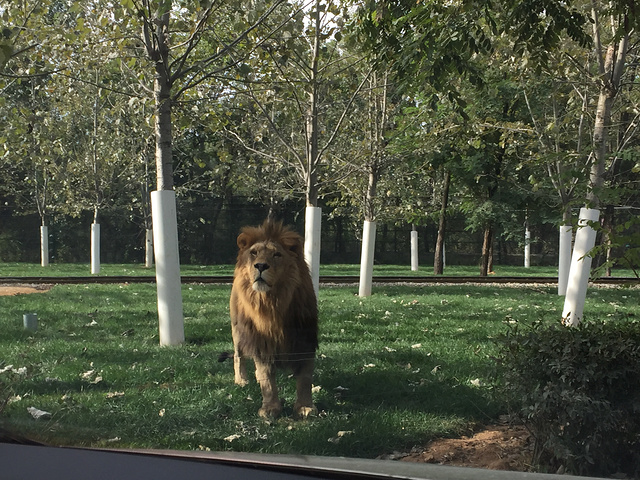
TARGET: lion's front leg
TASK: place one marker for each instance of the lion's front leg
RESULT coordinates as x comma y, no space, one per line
239,361
266,376
240,368
304,406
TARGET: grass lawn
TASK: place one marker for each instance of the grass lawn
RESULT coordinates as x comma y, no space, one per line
394,370
80,269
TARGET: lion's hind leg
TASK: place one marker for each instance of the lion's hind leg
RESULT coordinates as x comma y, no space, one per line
304,406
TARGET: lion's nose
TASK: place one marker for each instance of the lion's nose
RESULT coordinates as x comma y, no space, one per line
261,267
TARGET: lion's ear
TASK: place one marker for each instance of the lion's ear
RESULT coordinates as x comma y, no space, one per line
293,243
243,241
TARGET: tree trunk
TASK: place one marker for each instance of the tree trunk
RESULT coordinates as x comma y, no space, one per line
607,231
163,201
414,249
527,242
486,262
162,96
313,214
44,244
438,260
366,258
95,248
611,68
564,250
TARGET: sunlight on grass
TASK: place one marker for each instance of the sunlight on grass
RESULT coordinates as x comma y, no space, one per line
394,370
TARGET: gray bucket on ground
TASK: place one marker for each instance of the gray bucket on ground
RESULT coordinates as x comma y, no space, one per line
30,321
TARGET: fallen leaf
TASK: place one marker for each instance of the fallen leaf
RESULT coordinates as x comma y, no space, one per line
436,369
231,438
161,412
476,382
38,414
339,436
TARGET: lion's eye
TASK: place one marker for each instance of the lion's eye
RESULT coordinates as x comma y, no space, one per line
277,254
253,253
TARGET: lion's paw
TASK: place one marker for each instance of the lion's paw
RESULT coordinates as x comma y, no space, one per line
301,411
243,382
270,411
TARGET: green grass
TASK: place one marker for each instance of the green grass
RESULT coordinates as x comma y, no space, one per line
395,369
79,269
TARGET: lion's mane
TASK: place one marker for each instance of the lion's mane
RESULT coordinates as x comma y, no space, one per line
280,325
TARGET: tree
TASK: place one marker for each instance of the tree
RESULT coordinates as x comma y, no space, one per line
376,138
610,48
292,83
34,41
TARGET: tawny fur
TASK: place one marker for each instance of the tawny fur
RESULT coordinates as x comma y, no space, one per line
274,315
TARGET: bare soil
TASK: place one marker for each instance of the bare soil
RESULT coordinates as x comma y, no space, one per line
497,447
22,289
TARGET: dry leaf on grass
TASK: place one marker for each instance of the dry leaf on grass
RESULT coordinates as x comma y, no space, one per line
37,413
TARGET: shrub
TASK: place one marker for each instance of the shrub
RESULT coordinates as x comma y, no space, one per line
578,391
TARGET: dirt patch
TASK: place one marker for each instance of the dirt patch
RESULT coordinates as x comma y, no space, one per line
498,447
23,289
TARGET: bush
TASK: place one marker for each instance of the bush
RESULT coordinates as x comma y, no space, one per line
578,391
10,248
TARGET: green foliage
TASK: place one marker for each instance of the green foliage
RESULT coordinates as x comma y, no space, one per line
10,248
578,390
624,242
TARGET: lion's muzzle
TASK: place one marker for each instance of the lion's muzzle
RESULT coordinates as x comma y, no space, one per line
260,283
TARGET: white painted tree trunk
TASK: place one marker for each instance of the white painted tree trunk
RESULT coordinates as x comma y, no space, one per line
444,255
148,248
44,245
165,242
312,227
95,248
564,257
527,245
366,259
580,268
414,250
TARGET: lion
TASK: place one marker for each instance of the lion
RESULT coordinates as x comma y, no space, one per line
274,314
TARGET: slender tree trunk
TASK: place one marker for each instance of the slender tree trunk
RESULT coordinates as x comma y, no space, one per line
486,262
607,230
564,250
438,260
313,213
44,243
611,67
163,201
162,95
414,249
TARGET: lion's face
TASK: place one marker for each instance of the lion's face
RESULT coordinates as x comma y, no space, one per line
266,264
